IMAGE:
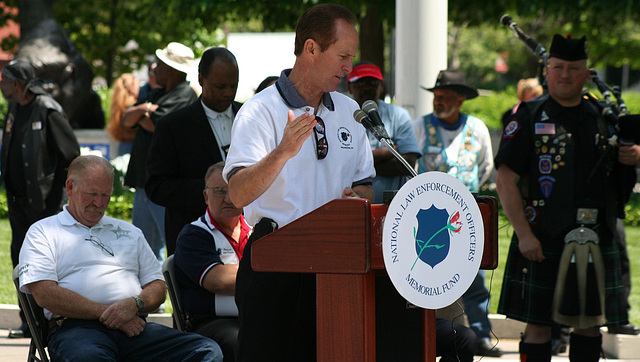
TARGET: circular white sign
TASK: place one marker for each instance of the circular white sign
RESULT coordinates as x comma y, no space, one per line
432,240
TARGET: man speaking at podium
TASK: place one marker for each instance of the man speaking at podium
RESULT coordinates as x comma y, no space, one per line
295,147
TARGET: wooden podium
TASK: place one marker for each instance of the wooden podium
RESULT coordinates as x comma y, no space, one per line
341,242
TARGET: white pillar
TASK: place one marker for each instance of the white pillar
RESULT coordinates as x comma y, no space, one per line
420,52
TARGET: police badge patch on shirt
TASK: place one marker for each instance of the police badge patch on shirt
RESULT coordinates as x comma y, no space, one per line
545,128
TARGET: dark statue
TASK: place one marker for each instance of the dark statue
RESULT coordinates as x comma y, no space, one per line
65,74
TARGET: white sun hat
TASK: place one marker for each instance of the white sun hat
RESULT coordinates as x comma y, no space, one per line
177,56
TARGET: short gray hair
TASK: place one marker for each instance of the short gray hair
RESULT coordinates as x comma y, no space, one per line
83,164
218,166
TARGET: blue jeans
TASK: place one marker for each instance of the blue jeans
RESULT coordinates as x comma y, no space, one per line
90,340
476,306
149,218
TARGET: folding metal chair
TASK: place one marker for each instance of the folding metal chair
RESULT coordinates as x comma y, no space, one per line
38,323
181,318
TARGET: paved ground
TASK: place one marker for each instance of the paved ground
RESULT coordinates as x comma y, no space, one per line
12,350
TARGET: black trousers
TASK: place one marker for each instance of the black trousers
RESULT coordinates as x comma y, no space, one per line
20,219
22,216
624,264
277,311
223,330
399,330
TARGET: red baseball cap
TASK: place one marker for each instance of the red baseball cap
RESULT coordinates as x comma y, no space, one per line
365,70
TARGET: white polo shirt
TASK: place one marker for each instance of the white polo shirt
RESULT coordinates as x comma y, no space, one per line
305,183
60,249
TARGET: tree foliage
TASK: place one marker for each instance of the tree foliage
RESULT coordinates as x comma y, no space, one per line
116,36
612,27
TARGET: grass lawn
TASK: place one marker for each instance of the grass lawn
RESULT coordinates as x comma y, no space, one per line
494,278
8,296
7,290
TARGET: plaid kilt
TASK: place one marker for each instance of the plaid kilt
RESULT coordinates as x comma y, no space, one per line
528,287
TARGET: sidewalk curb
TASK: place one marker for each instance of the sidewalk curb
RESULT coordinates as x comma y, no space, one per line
502,327
616,346
10,318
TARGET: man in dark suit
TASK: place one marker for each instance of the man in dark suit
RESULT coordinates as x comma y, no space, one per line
186,142
174,63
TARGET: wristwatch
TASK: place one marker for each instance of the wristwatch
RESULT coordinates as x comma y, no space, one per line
146,112
139,303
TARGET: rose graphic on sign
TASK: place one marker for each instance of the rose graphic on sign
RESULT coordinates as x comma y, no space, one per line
431,242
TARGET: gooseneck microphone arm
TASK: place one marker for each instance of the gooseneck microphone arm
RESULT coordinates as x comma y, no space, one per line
362,118
398,156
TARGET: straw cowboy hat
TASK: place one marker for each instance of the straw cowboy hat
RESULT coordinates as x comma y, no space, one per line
177,56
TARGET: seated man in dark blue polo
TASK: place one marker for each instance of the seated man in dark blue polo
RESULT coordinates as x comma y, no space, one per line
206,262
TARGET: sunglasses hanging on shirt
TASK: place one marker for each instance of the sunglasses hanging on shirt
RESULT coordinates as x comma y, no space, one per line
322,146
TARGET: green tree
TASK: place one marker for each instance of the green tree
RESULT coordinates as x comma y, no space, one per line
612,28
115,36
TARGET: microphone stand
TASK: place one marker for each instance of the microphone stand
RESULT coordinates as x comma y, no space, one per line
381,135
399,157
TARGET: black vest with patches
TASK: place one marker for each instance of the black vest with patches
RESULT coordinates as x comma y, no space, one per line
570,168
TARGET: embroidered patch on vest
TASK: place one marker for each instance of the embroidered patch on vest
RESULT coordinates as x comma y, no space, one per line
531,214
545,128
511,129
544,164
546,185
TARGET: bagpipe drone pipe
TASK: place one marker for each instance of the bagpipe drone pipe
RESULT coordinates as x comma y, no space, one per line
615,111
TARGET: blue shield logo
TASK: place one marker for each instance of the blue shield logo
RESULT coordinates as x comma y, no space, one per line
432,238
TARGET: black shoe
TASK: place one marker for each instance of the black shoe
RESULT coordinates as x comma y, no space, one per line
557,347
22,332
487,349
624,329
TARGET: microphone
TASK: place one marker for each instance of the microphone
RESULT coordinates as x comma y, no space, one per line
362,118
378,131
371,109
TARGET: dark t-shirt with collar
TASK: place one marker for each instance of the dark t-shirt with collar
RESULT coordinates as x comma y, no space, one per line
196,254
180,96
